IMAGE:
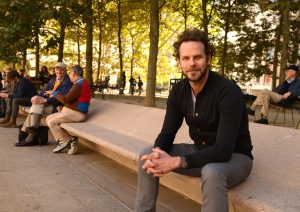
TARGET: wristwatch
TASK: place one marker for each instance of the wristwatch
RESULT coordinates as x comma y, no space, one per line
183,163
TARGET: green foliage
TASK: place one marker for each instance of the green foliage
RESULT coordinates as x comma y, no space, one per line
249,24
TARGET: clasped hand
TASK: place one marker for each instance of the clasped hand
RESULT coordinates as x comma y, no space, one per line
38,100
159,162
286,95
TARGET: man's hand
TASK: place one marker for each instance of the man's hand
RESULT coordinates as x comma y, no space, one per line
286,95
159,163
148,164
3,95
165,163
38,100
59,108
48,93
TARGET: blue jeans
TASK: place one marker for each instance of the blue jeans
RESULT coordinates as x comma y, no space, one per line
216,178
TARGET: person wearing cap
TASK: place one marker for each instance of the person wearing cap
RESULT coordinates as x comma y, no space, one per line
24,90
290,88
44,104
76,105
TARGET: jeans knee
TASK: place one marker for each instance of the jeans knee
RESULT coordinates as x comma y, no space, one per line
211,173
145,151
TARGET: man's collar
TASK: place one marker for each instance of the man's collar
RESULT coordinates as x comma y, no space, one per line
290,80
60,79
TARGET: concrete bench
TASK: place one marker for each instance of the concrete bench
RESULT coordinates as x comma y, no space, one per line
120,131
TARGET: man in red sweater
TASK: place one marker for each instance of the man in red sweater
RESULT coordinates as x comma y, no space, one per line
76,104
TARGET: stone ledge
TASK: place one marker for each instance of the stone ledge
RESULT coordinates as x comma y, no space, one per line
120,131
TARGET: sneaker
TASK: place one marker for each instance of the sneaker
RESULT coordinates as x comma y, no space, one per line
262,121
73,146
61,146
250,112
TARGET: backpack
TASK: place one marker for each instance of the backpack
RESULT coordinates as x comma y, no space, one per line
41,137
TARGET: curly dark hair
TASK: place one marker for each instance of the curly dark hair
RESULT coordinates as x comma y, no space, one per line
193,34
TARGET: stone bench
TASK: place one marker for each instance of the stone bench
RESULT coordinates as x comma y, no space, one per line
120,131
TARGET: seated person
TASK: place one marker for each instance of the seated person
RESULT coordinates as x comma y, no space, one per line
44,104
8,88
23,91
75,109
288,89
44,75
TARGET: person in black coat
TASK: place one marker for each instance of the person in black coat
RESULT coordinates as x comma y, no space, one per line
23,91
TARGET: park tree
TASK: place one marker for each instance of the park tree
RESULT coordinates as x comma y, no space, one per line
286,42
120,41
88,18
61,16
285,11
20,27
153,52
207,13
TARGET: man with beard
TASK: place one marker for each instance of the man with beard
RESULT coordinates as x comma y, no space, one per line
214,109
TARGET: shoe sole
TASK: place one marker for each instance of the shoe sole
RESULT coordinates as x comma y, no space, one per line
57,151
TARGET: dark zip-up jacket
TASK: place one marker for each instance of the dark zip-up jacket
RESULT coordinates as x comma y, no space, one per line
219,125
63,88
24,89
294,88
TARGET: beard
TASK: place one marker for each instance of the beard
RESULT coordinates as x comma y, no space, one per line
197,75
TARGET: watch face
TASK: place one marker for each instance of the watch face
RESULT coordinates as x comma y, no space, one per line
183,163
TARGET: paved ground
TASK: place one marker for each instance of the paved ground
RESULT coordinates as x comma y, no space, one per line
35,179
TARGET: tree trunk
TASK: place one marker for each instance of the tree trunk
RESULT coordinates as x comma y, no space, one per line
100,40
286,38
24,59
185,14
226,30
120,46
78,47
37,51
61,42
153,52
296,42
205,18
132,56
89,41
100,53
276,50
185,17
